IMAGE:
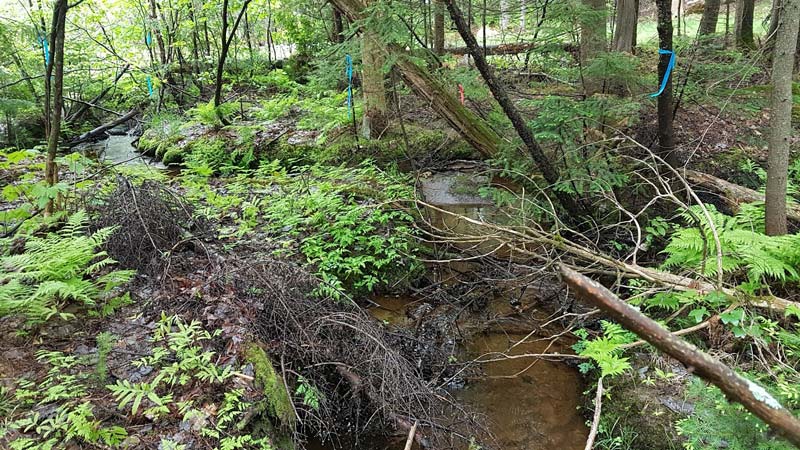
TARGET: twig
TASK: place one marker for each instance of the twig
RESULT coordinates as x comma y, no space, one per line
411,433
598,404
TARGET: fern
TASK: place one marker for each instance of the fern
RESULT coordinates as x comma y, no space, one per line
746,250
55,269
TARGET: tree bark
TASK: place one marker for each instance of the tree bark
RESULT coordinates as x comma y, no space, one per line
338,27
537,153
743,28
57,63
750,395
635,25
781,117
593,41
625,26
708,23
666,135
438,28
374,121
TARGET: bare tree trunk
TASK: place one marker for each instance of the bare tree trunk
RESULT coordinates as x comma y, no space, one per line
593,40
666,137
372,83
549,172
625,25
781,117
708,24
504,19
743,28
438,28
223,54
57,69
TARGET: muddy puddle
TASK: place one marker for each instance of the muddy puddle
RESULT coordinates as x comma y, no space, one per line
526,405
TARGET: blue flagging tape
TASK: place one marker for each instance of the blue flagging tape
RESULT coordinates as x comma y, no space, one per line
669,71
45,50
150,85
148,39
348,61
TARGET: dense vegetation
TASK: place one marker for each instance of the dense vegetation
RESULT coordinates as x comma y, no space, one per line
208,208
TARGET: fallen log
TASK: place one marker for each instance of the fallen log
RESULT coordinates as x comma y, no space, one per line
732,195
507,49
441,99
737,388
499,49
97,132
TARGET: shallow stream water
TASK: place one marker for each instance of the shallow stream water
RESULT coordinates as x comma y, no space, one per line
527,405
119,149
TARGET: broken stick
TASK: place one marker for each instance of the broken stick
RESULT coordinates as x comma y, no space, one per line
737,388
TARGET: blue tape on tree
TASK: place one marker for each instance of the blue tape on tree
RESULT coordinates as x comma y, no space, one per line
45,50
150,85
668,73
148,39
348,61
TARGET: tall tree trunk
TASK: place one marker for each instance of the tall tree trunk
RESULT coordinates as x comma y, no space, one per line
375,107
57,69
504,19
549,172
625,25
666,137
438,28
781,117
593,41
743,28
708,24
223,54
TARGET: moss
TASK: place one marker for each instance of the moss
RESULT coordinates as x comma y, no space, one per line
173,156
279,405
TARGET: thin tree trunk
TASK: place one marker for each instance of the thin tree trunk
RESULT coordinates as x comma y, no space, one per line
223,54
57,66
781,118
708,23
743,28
625,25
537,153
666,138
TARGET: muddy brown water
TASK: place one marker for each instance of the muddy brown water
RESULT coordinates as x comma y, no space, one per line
526,405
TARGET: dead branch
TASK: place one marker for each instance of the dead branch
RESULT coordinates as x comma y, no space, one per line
598,404
737,388
97,132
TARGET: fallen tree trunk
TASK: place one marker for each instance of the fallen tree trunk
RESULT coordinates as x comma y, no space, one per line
97,132
507,49
441,99
737,388
500,49
733,195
